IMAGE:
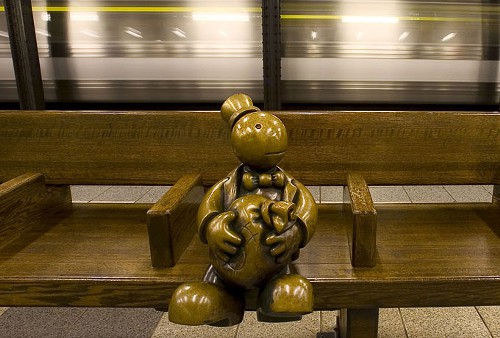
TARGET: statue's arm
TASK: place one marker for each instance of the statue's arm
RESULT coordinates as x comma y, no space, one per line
211,205
306,212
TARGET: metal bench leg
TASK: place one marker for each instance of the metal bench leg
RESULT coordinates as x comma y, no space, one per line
358,323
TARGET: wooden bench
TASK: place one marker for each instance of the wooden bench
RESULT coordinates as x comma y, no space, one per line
363,257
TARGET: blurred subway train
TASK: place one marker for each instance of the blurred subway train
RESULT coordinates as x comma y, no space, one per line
333,52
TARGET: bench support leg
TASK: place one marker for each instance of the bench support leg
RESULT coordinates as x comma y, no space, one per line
354,323
496,194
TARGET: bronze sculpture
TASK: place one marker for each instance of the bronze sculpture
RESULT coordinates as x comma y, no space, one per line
254,221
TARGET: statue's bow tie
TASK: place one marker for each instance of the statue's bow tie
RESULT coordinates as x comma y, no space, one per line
252,181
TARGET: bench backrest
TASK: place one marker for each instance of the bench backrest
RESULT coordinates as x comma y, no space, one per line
159,147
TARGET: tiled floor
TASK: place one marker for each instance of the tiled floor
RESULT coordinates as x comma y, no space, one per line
464,322
327,194
412,323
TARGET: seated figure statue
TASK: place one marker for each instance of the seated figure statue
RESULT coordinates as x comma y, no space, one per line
254,221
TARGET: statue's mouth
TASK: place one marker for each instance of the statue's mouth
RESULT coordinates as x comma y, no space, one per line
275,153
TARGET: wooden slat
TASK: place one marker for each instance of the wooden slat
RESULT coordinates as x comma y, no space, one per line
100,257
361,215
172,221
24,201
159,147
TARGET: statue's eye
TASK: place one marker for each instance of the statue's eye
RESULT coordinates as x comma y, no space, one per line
258,126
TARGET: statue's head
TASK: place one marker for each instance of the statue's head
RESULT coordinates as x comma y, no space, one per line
258,138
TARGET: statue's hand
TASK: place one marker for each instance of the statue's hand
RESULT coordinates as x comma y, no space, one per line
222,241
285,245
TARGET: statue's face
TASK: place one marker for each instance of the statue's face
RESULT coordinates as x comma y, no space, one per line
259,140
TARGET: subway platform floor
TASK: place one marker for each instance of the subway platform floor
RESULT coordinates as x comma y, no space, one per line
119,322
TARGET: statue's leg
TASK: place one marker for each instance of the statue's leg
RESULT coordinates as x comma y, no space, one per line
285,297
208,302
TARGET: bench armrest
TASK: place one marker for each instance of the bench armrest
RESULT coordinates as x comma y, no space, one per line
361,215
172,220
24,203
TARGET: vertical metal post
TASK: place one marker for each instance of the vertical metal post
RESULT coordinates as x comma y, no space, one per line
271,40
25,54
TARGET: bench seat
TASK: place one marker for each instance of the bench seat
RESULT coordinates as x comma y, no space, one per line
363,257
98,255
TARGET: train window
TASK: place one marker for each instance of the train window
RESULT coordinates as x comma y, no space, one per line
8,89
41,19
169,51
4,37
390,52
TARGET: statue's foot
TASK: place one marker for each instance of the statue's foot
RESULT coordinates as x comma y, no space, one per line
201,303
285,298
